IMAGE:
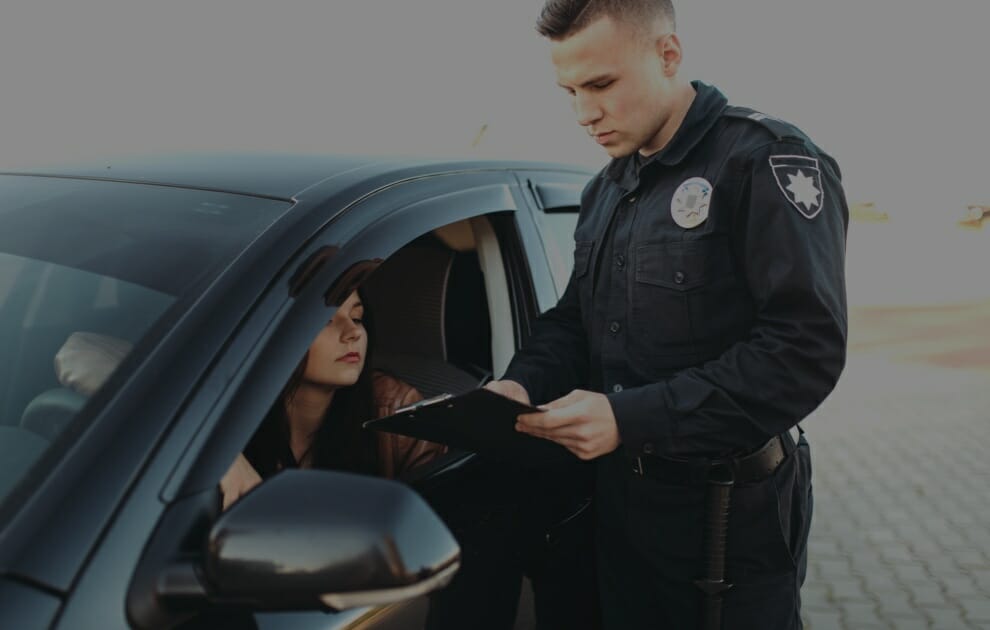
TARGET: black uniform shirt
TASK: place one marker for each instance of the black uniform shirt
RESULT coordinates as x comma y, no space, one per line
707,299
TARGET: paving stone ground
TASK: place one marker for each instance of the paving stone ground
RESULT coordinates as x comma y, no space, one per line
901,454
901,451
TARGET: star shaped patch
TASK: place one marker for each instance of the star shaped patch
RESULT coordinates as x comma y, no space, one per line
800,180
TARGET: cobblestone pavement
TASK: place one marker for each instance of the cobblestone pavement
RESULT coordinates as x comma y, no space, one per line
901,530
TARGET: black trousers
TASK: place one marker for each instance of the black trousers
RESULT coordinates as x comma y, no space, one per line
650,544
508,535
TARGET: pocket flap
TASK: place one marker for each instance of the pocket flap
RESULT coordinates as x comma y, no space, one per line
682,265
582,257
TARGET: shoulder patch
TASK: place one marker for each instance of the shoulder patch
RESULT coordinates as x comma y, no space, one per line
799,179
779,128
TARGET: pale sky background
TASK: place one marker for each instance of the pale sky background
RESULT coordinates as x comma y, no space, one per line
896,92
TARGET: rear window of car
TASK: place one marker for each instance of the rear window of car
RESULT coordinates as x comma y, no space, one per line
88,271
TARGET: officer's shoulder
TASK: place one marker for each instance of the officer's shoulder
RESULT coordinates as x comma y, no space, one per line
762,133
762,126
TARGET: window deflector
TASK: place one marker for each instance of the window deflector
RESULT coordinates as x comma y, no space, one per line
557,196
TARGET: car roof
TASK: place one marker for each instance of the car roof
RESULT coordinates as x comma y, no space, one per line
274,175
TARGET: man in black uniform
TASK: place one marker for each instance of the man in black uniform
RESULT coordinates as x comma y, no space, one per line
704,318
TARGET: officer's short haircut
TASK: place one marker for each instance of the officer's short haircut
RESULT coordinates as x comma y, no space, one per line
561,18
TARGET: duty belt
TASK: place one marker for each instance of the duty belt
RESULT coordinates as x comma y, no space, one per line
750,468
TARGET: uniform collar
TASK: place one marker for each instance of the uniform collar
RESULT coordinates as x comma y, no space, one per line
704,112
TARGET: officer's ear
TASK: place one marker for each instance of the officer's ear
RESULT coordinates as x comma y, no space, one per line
668,48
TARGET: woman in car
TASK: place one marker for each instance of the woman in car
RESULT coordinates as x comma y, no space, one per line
316,421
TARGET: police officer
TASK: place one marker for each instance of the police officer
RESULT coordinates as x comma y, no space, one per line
704,318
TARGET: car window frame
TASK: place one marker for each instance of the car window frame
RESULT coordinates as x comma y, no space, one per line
396,217
251,378
552,192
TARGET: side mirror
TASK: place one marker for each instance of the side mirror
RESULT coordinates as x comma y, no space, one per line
308,539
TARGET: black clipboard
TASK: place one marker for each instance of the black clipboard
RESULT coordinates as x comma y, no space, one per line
480,421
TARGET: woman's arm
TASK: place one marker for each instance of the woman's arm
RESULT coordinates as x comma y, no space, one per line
239,479
399,454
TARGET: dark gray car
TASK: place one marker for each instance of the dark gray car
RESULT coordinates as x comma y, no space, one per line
215,273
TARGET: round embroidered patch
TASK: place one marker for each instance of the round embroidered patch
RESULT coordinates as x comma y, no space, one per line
689,205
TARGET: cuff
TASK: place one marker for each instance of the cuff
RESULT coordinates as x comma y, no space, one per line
519,376
643,418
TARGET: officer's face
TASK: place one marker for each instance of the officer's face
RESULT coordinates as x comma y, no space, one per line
621,83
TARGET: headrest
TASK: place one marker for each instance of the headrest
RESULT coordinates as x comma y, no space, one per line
83,363
51,411
406,297
86,360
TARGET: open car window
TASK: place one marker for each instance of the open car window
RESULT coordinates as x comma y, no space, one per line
427,310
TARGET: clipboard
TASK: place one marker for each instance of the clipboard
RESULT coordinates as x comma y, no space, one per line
480,421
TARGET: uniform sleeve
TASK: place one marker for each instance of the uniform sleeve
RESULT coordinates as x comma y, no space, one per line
555,358
789,236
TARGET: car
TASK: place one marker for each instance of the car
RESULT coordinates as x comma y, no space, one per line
208,276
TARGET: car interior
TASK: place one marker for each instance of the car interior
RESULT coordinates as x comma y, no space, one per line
42,311
447,286
433,313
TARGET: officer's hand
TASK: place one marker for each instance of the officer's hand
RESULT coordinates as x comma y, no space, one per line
509,389
581,421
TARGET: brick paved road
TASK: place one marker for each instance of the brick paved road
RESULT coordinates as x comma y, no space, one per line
901,534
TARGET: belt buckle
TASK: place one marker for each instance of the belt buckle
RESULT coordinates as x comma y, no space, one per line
638,466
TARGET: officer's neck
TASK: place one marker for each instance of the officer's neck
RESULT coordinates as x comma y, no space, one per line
682,104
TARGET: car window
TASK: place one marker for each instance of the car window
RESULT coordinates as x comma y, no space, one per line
557,232
87,269
424,330
427,305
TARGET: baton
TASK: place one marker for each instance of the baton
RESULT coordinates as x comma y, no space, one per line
713,585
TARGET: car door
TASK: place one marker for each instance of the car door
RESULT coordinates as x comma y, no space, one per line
553,199
245,379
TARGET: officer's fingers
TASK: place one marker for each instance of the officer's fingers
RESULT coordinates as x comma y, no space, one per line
543,435
574,431
575,396
549,420
546,434
580,448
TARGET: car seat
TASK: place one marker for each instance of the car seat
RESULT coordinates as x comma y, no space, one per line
82,365
431,319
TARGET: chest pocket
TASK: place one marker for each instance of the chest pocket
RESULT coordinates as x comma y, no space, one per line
685,300
582,257
582,261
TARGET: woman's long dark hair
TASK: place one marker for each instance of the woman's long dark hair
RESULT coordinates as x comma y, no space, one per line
340,443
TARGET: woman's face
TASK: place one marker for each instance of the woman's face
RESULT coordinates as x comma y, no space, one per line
336,356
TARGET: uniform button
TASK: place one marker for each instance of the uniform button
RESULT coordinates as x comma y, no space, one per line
679,277
615,327
648,448
631,199
620,261
617,388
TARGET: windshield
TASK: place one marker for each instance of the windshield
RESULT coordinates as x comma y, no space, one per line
87,270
